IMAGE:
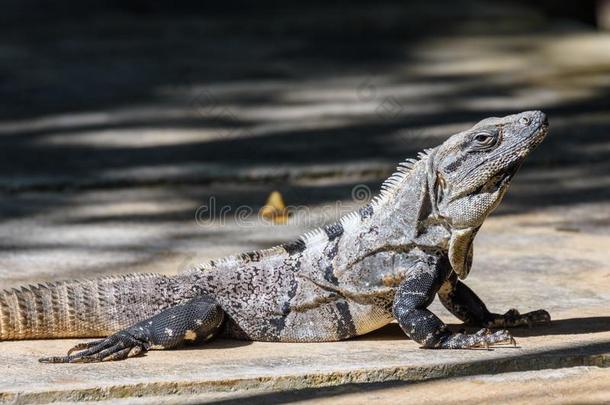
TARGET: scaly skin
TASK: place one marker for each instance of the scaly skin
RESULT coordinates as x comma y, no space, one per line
386,261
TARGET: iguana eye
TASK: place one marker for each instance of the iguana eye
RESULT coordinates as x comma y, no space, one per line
524,121
484,139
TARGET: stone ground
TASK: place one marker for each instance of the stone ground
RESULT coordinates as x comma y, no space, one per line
576,385
127,139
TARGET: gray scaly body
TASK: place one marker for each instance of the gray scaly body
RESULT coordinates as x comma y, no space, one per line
386,261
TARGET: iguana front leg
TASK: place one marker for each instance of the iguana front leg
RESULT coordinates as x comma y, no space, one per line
412,298
194,320
462,302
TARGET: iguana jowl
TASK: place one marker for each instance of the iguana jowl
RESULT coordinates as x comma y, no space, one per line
386,261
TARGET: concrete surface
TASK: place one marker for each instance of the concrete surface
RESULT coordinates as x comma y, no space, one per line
529,261
229,366
577,385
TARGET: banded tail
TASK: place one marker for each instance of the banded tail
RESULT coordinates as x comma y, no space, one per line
88,308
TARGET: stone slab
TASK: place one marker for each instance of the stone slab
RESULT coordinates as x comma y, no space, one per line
551,386
230,366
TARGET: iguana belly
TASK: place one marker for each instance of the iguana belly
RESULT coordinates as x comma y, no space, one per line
332,321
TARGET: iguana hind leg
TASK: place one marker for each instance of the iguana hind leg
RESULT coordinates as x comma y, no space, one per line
413,296
193,321
462,302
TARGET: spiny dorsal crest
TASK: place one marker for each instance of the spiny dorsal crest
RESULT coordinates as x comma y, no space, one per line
321,236
392,184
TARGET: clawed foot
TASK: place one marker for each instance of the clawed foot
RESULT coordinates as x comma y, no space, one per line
116,347
483,338
512,318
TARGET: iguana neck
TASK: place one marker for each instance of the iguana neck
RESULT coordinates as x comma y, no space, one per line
405,211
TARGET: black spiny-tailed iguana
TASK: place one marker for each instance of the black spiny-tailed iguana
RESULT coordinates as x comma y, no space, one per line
386,261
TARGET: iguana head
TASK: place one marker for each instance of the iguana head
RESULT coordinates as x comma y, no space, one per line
472,170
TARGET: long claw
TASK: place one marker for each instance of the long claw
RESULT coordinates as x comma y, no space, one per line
115,347
119,355
135,351
484,338
100,355
104,344
83,346
54,359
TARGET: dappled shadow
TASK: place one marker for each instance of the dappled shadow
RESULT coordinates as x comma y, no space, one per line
248,97
312,100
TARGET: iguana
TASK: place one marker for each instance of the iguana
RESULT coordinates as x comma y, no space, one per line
385,261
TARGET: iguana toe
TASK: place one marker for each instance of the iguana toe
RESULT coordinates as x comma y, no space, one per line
116,347
86,345
538,317
512,318
483,338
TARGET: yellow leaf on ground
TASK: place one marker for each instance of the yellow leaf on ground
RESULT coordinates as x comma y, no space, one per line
275,209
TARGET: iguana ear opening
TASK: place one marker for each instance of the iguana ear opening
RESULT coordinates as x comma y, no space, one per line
460,250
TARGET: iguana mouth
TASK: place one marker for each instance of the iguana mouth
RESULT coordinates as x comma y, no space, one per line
500,180
509,173
504,176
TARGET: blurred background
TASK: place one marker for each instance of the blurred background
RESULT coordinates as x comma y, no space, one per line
119,119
